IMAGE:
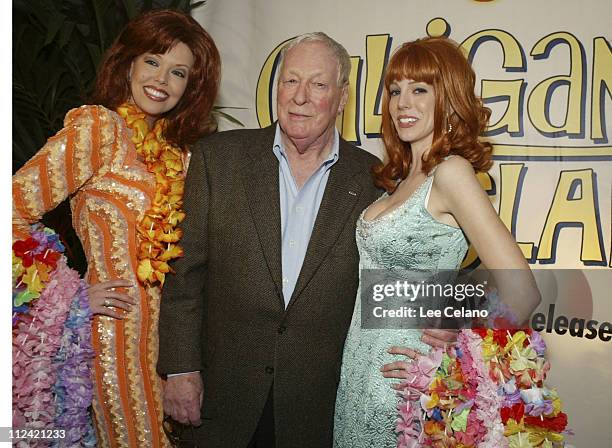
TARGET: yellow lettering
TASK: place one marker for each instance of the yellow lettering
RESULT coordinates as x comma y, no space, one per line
574,205
263,98
514,58
377,53
512,92
602,77
348,122
511,182
438,27
538,104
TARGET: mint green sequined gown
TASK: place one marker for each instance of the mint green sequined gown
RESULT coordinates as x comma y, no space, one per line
406,238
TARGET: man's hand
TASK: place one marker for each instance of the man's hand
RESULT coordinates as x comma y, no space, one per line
183,397
439,338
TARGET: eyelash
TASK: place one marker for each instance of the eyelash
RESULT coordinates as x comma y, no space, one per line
418,90
154,63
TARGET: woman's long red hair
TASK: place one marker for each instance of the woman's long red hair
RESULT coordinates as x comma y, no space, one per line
157,32
440,63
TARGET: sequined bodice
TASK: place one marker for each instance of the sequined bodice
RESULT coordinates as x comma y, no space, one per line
408,238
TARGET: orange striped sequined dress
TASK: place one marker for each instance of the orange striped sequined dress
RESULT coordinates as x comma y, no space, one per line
93,161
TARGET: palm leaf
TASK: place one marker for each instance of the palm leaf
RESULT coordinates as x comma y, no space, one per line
218,112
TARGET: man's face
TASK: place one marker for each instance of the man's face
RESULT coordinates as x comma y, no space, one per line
309,98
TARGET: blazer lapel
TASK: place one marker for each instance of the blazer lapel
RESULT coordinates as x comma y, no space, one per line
260,177
339,200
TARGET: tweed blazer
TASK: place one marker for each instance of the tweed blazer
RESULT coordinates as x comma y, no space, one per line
223,312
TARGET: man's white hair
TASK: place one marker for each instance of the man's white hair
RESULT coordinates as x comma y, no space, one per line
339,52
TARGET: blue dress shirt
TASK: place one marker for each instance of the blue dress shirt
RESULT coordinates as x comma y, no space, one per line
298,210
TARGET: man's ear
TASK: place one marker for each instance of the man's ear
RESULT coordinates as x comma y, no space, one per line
343,99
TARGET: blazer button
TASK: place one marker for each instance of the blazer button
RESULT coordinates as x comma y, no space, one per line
269,369
281,329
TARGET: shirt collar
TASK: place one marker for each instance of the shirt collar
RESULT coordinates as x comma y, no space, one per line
279,149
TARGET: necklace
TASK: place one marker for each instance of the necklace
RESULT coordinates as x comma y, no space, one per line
157,231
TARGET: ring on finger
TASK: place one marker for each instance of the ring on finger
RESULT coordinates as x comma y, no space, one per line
107,302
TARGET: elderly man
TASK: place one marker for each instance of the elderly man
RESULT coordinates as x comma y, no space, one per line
261,302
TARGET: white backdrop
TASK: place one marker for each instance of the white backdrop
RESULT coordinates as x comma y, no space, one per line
544,68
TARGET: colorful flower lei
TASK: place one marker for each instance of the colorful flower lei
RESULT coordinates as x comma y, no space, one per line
488,393
51,340
33,260
157,230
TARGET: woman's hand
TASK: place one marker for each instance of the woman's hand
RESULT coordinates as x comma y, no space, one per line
435,337
103,298
439,338
399,369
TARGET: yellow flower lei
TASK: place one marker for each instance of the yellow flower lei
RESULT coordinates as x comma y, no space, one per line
157,232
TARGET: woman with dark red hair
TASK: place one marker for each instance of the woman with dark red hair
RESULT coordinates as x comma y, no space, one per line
431,122
122,161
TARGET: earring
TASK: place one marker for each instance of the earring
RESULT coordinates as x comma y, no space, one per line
450,128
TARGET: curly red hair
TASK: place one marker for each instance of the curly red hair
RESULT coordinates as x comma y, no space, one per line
157,32
439,62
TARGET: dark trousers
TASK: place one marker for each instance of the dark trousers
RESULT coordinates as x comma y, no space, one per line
264,433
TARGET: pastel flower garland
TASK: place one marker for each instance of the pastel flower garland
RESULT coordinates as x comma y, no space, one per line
487,402
411,422
73,388
51,373
157,230
489,393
